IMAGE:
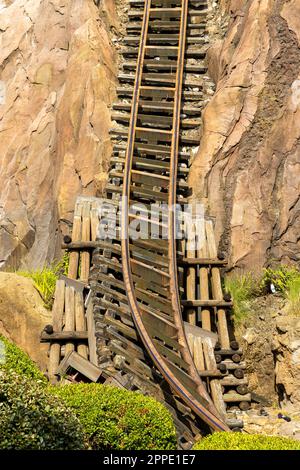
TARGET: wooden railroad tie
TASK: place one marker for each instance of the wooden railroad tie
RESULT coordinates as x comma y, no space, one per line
157,307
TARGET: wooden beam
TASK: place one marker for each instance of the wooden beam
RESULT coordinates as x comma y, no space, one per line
76,236
64,336
91,334
215,386
201,261
57,320
80,323
233,397
86,235
217,290
69,315
207,303
80,364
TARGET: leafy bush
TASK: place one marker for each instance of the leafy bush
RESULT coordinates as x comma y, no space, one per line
240,441
113,418
242,289
13,358
32,419
45,279
292,294
280,277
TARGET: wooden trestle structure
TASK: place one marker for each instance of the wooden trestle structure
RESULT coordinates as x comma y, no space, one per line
159,321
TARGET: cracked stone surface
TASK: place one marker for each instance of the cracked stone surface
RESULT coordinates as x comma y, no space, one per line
270,339
58,79
247,169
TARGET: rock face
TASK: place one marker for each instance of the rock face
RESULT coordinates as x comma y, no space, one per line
247,169
271,345
257,338
58,78
272,424
23,316
287,354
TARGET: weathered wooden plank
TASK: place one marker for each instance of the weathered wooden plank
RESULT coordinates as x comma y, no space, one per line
230,380
77,285
198,332
234,397
64,336
76,236
215,386
190,340
95,219
69,315
208,303
202,262
191,313
80,364
216,285
198,354
91,334
86,236
80,322
57,322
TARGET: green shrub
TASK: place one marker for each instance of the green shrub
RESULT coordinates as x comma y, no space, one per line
13,358
113,418
30,418
45,279
292,294
242,289
240,441
280,277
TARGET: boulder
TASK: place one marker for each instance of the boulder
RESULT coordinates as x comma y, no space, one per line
23,316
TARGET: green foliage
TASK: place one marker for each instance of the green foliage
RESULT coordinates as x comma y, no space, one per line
113,418
240,441
45,279
242,289
30,418
13,358
292,294
280,277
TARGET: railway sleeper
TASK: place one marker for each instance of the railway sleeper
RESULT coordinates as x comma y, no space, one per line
150,182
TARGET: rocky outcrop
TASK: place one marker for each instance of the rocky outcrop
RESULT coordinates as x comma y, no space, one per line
23,316
247,169
287,358
58,69
270,338
273,422
58,76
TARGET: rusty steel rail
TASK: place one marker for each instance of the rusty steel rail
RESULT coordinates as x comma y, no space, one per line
161,317
198,399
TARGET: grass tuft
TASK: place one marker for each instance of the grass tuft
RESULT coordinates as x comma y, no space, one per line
279,278
292,295
243,289
45,279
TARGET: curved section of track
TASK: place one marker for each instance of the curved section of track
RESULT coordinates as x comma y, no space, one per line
171,354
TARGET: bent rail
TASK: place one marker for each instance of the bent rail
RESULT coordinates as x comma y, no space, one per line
176,363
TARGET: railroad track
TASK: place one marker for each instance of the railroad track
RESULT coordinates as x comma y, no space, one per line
155,331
